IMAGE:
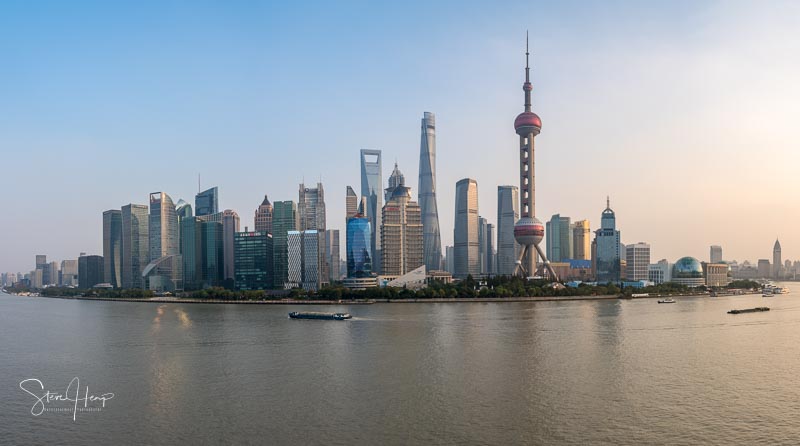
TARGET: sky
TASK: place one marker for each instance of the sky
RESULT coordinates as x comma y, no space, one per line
684,113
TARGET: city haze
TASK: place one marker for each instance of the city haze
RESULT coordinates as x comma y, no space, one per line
683,113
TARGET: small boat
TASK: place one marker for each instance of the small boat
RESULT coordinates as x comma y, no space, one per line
767,293
667,301
318,315
749,310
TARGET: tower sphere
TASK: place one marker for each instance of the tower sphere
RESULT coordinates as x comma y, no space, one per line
527,123
528,231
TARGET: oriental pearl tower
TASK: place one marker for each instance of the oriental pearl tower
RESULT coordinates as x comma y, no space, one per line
528,231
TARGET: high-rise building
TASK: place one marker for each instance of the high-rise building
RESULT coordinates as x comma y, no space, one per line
776,260
465,233
716,254
507,216
332,255
528,231
230,226
607,239
372,188
69,273
253,259
41,265
431,237
660,272
351,203
90,271
212,251
401,231
183,209
206,202
192,252
112,247
359,245
764,269
163,229
303,254
489,262
311,206
55,274
581,240
263,218
450,259
285,218
637,261
396,179
135,244
559,238
483,244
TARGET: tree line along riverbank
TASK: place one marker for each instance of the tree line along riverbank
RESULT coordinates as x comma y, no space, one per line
500,287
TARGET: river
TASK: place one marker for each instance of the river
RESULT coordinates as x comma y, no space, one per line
625,372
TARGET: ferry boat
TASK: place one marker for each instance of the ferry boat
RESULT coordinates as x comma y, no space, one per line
767,293
667,301
318,315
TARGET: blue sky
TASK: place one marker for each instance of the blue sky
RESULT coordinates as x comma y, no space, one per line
682,112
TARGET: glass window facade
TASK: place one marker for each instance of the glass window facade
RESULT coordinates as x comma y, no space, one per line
253,258
359,247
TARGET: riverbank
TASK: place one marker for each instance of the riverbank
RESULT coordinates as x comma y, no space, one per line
173,300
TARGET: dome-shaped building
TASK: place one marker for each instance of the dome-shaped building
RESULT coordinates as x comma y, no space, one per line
688,271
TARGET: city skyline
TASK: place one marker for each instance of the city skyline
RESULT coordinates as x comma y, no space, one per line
91,153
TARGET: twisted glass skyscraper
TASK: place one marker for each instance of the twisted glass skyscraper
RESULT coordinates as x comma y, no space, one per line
431,238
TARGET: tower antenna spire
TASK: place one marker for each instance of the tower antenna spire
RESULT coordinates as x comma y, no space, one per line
527,87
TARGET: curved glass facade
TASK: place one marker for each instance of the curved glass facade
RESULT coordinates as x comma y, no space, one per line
687,268
359,252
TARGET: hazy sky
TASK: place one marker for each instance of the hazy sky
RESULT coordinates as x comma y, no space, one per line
685,113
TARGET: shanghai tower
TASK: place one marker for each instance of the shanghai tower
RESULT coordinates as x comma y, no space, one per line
431,240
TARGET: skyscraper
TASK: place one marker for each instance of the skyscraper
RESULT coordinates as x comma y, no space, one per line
507,215
396,179
253,260
206,202
112,247
332,255
135,244
607,239
716,254
372,188
581,240
431,238
401,231
303,255
528,231
263,218
465,233
285,218
483,244
637,259
559,238
777,265
90,271
230,226
351,203
163,229
183,209
311,206
192,252
359,245
213,255
490,251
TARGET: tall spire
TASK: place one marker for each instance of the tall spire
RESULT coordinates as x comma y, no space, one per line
527,85
608,202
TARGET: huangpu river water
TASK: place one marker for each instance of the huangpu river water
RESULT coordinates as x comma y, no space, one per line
627,372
